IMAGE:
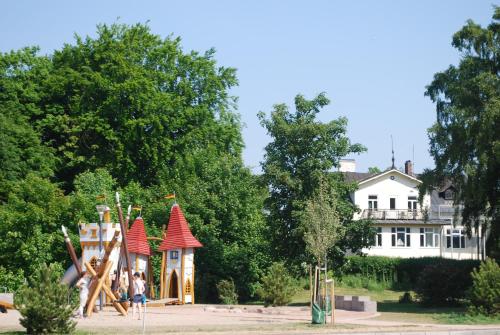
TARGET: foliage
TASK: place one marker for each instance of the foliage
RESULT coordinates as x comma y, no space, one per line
406,298
464,141
374,169
442,284
360,281
11,280
321,224
30,223
301,151
401,272
277,286
227,292
46,306
484,295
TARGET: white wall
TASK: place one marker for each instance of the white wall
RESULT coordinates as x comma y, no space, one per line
385,188
188,272
139,263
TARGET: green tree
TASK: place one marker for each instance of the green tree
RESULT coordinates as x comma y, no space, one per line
126,100
321,223
46,305
374,169
278,286
465,139
301,151
484,295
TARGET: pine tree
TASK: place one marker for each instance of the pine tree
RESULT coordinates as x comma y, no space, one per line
46,305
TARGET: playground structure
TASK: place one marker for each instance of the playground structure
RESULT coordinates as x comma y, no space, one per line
112,252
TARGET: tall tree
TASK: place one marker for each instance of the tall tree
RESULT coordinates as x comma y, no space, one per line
126,100
302,150
465,139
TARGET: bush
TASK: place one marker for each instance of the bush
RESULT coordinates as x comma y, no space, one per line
406,298
11,280
46,306
277,286
442,284
227,292
484,295
359,281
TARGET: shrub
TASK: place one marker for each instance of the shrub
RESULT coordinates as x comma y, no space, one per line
359,281
46,305
227,292
11,280
442,284
484,295
277,286
406,298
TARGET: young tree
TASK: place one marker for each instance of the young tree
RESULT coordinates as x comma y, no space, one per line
465,139
321,223
46,305
301,151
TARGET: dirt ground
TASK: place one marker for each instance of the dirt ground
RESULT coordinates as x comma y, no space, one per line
209,319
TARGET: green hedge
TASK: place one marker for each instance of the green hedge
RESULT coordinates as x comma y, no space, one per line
402,271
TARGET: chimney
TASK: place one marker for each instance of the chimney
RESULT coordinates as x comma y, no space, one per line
347,165
409,168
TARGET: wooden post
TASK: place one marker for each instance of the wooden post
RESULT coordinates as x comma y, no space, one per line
333,301
310,286
124,247
97,289
72,252
162,276
108,292
315,284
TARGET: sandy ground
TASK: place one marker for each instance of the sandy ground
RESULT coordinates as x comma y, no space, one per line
242,320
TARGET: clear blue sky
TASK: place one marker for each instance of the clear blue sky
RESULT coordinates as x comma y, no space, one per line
372,58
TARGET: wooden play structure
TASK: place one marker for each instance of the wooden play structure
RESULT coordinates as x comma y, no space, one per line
177,265
126,251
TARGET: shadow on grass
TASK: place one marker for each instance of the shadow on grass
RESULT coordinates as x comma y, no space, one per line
396,307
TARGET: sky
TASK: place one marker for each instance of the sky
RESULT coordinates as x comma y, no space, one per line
373,59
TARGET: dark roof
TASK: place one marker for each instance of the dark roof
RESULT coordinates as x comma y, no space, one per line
357,176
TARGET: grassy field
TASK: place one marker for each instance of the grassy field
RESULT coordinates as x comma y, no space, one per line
392,310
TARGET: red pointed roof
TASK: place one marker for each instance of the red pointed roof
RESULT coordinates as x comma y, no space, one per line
136,238
178,233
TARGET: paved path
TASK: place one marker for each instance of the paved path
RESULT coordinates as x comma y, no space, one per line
249,320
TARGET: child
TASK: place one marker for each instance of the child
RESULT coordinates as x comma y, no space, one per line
138,292
83,286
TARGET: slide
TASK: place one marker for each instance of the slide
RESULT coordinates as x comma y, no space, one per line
71,275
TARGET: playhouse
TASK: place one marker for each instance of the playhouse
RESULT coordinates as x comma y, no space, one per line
139,249
177,268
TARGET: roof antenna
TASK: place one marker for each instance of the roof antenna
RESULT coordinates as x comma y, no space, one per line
392,146
413,157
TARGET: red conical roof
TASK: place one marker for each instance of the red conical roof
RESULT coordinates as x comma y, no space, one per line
136,238
178,232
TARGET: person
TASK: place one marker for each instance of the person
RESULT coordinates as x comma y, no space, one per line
83,286
138,292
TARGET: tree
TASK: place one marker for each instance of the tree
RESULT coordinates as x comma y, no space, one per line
46,305
465,139
321,223
126,100
374,170
301,151
484,295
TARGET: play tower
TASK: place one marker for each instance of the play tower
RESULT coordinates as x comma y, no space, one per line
177,268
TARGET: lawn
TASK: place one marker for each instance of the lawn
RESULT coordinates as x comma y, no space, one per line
391,310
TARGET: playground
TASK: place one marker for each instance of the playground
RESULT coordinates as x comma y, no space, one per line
216,319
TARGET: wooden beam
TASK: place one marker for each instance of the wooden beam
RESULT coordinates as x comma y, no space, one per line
100,282
109,293
125,247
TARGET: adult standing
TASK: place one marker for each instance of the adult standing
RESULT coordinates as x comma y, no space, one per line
83,286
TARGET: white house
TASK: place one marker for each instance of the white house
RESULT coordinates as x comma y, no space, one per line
404,227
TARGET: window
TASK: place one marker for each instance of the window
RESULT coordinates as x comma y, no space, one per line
378,237
372,202
392,203
174,254
448,194
429,237
93,263
455,238
400,237
188,287
412,203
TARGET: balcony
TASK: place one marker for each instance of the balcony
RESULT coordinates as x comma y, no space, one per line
393,214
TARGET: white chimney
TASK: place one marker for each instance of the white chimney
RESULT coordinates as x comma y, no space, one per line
347,165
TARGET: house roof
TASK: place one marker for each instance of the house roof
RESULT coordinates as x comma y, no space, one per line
356,176
373,176
137,240
178,233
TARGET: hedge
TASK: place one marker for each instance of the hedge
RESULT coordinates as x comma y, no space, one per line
403,271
